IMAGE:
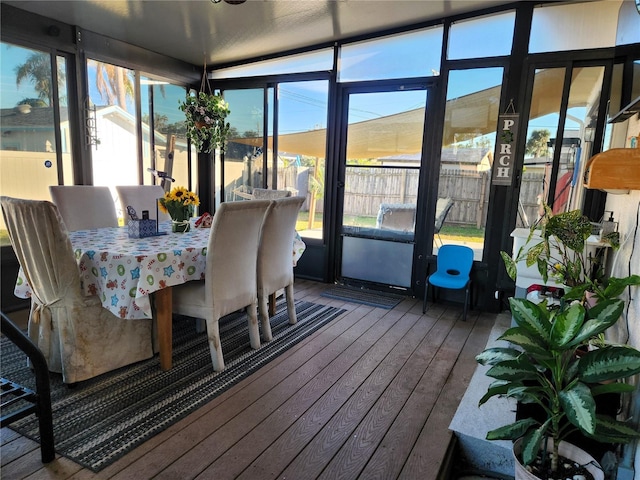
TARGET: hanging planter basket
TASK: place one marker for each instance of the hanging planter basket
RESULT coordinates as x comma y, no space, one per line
206,115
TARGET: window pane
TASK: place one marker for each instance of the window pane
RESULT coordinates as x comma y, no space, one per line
487,36
115,152
635,86
384,152
415,54
628,24
469,139
243,162
302,139
169,132
65,133
28,163
316,61
577,26
580,123
541,128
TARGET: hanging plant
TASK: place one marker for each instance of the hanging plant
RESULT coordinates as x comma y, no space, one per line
206,126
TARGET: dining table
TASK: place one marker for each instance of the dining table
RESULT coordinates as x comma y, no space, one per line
126,273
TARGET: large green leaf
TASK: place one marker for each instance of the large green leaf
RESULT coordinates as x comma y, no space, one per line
534,252
612,431
615,286
491,356
543,269
609,363
532,317
566,325
531,443
525,394
512,431
571,228
510,265
576,293
603,315
500,387
529,341
513,370
615,387
579,406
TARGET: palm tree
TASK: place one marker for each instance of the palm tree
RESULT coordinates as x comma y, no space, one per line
112,82
537,145
37,69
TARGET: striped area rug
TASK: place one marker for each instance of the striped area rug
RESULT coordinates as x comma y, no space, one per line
102,419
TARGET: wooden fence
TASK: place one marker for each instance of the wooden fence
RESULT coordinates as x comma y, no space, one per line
367,188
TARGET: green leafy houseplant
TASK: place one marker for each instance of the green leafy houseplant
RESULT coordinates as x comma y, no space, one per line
206,126
544,367
557,245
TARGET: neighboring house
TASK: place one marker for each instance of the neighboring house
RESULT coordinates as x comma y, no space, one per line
27,136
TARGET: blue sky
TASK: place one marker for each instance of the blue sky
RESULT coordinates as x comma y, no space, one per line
10,95
303,104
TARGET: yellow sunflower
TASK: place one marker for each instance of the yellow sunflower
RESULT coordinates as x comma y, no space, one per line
179,194
179,203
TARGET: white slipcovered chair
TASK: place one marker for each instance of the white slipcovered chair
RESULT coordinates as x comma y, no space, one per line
268,194
79,338
230,282
83,207
275,258
142,197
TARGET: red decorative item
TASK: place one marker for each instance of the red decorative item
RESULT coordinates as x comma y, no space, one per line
205,220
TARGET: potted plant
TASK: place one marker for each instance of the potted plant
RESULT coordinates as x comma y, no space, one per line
543,367
557,245
206,125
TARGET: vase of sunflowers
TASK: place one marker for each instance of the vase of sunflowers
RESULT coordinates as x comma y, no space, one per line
179,203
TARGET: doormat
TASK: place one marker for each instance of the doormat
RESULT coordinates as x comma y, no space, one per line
103,418
366,297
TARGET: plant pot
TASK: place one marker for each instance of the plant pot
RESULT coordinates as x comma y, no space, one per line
566,450
180,226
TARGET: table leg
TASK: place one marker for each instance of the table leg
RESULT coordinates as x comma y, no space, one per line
272,304
164,314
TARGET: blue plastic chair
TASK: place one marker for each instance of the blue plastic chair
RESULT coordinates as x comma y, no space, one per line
453,272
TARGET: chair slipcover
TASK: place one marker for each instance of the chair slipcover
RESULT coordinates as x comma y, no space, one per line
230,282
275,258
142,197
268,194
78,337
453,271
84,206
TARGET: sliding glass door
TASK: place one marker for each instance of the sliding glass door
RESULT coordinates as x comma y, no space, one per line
378,189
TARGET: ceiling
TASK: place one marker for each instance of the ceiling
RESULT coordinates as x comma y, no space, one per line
199,31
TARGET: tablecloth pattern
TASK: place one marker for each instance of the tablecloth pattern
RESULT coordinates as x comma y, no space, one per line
124,271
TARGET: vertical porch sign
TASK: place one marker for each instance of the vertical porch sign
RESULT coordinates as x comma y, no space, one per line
503,160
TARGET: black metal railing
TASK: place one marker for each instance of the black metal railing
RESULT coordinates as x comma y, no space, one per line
25,400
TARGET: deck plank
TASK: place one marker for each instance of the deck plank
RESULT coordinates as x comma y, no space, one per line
337,382
400,435
426,456
363,397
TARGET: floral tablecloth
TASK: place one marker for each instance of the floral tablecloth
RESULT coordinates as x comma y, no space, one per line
123,271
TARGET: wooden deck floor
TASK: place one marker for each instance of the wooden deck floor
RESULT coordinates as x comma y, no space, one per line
369,396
